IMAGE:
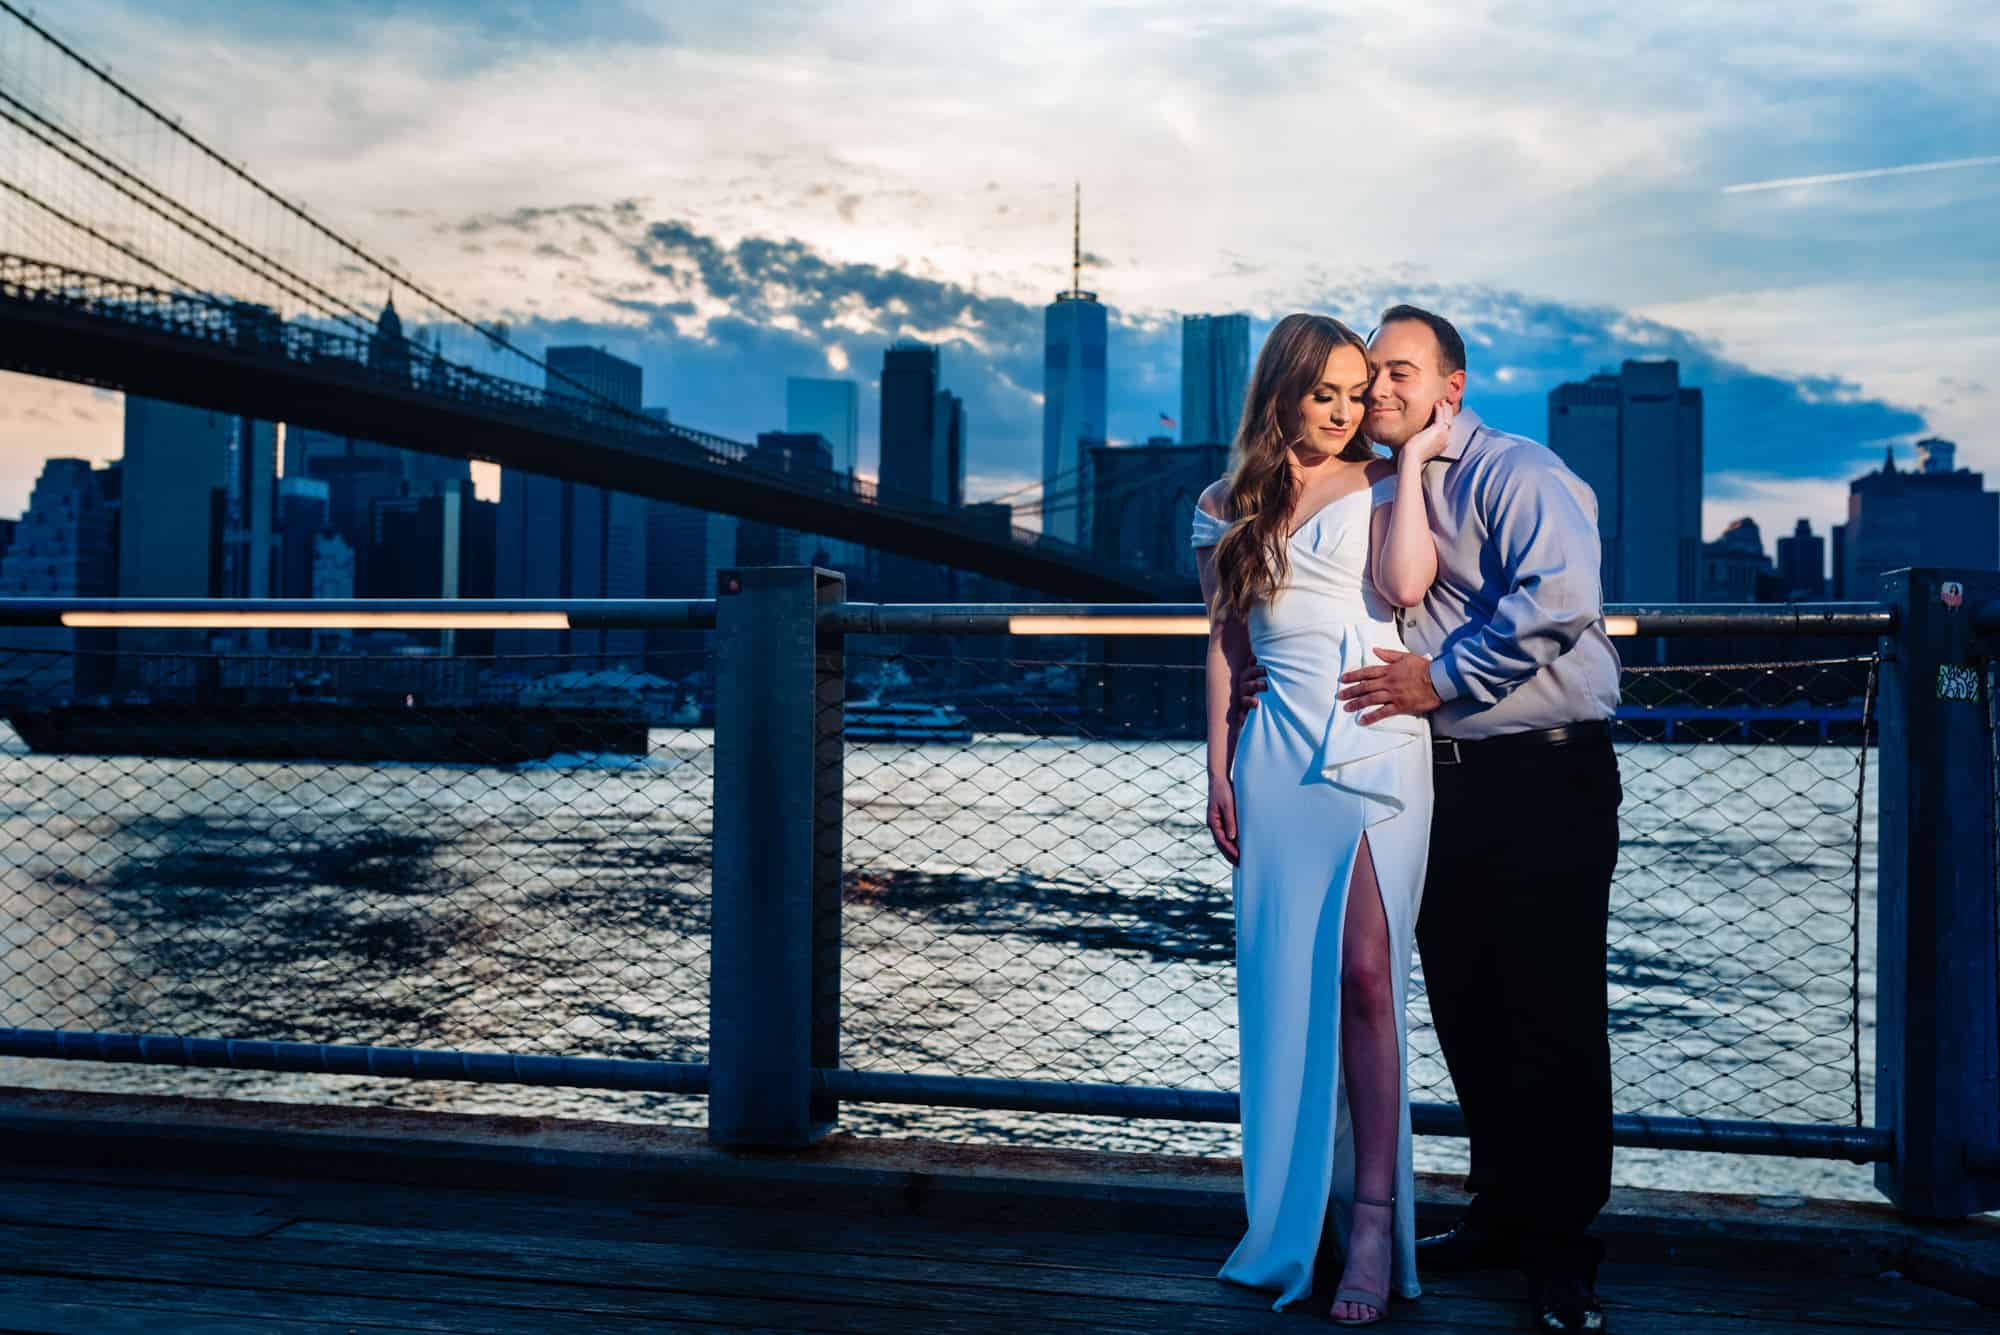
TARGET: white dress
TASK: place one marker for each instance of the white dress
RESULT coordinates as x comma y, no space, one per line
1309,780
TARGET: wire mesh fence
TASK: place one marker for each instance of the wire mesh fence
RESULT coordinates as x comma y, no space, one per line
474,854
514,855
1031,893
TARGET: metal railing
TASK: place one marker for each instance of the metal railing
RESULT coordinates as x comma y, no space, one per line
1011,904
341,360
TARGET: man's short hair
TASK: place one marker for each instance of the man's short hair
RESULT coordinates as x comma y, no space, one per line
1451,348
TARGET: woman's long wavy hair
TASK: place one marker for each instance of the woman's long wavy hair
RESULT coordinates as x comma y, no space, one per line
1250,560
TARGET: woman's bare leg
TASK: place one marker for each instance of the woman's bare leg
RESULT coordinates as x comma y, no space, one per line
1372,1070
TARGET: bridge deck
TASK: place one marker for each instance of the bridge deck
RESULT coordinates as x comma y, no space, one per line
114,1240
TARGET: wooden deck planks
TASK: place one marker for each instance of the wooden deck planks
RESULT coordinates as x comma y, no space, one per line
152,1253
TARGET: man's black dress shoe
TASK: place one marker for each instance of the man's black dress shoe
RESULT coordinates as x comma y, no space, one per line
1467,1247
1567,1305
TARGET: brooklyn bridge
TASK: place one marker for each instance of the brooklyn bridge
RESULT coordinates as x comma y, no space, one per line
136,257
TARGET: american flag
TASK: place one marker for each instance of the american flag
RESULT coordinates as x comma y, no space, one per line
1166,420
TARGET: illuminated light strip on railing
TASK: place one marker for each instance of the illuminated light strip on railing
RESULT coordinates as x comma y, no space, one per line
1086,625
1181,625
321,620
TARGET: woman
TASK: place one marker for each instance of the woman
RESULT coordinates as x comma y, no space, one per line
1306,549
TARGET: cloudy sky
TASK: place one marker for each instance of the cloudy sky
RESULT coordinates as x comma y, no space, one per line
733,193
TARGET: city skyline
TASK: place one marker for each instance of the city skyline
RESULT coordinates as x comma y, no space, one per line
1823,320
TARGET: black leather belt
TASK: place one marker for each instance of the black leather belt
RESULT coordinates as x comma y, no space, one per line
1453,751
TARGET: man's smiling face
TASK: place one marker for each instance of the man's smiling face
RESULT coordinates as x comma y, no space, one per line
1409,381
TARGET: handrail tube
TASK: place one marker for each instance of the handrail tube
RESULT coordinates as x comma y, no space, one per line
583,613
1850,618
1631,1130
253,1054
923,618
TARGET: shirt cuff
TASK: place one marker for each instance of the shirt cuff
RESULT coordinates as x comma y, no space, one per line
1442,682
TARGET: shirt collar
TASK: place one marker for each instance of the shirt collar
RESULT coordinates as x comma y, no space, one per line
1463,428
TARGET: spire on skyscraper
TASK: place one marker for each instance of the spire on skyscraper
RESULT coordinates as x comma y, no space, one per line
1076,243
1076,292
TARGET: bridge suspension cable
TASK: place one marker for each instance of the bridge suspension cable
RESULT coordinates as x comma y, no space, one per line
492,335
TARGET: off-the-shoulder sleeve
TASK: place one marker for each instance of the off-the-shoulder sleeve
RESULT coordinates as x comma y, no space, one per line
1208,530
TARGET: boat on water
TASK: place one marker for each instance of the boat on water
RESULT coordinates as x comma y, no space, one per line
875,720
472,733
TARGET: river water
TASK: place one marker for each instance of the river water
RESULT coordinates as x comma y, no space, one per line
1042,908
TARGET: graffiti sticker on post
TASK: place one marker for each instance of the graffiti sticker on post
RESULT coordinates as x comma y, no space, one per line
1958,682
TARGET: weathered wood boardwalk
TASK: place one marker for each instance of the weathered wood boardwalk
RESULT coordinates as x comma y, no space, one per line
550,1228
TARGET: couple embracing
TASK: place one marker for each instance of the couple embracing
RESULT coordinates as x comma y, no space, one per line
1409,688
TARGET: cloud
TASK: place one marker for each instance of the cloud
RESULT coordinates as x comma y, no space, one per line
1865,174
719,324
1226,164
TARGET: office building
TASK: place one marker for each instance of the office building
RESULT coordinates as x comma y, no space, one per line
353,484
594,375
1073,406
685,548
1802,564
1636,438
762,544
950,419
558,539
201,488
922,451
827,408
65,546
1734,568
436,546
912,460
1215,375
303,515
1937,515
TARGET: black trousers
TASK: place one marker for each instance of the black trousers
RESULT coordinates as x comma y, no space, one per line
1512,930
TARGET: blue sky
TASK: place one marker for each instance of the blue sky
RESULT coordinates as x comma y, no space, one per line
733,193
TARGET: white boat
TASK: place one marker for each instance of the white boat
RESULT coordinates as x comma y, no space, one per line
874,720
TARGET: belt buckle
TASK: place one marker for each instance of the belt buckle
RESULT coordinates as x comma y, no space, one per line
1439,755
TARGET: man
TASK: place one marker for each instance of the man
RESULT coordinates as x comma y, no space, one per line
1511,662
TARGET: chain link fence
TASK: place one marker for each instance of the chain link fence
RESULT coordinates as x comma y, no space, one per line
1031,892
1027,888
500,854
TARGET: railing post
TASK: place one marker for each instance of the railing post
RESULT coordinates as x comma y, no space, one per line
774,987
1937,1032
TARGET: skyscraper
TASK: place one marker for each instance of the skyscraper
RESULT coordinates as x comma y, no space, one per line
685,547
950,420
912,459
64,547
828,408
762,544
1073,395
557,539
578,372
1636,438
1215,375
1802,564
197,520
1938,515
